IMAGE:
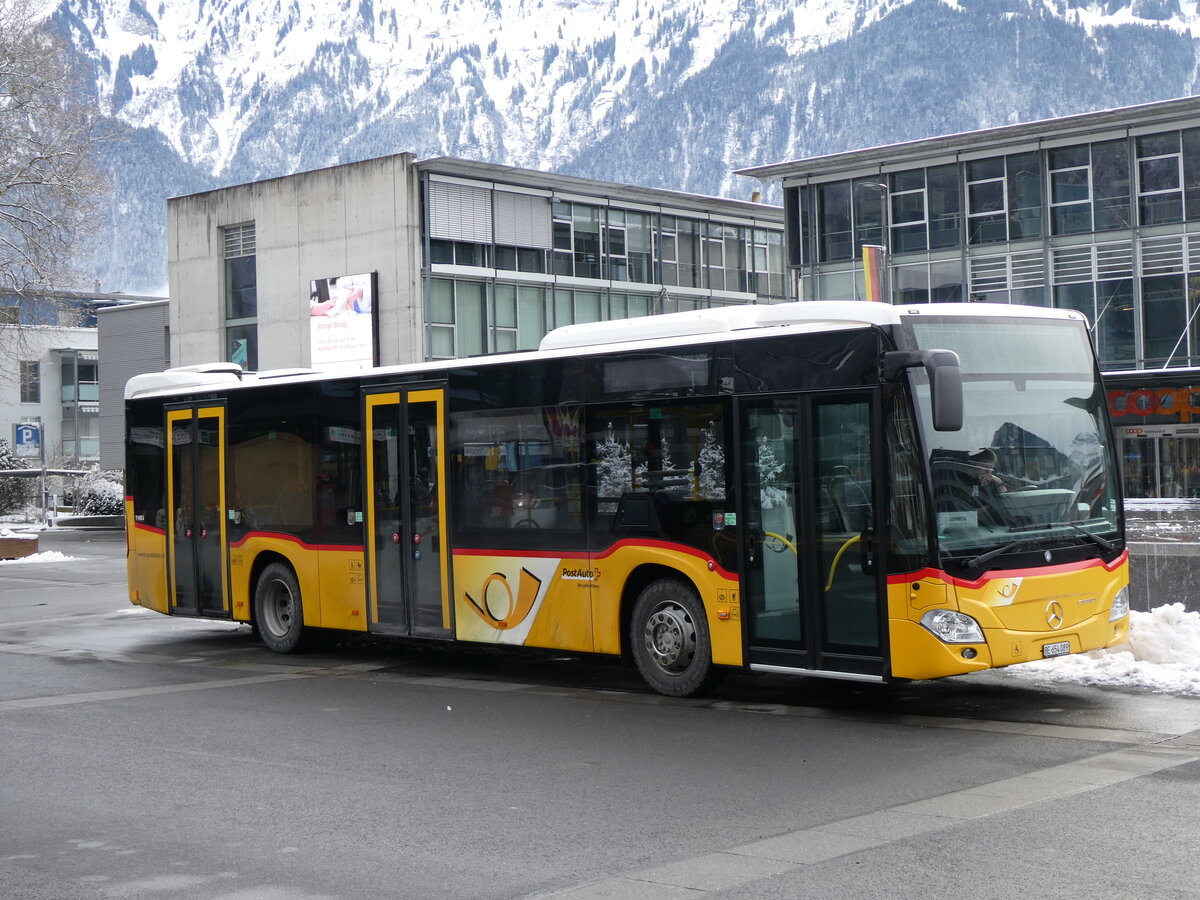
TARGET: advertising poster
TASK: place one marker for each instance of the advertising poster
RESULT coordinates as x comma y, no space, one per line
342,322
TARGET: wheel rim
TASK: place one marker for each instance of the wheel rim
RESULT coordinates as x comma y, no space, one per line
671,637
279,609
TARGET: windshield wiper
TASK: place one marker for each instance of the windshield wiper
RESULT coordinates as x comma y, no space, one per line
1091,536
992,554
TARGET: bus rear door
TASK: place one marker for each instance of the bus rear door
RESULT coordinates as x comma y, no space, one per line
407,552
196,541
812,588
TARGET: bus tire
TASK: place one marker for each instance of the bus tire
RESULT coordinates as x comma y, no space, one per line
278,610
668,635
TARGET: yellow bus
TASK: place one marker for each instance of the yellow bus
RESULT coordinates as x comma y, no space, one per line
850,490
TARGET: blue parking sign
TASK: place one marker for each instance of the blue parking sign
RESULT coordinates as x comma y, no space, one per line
27,439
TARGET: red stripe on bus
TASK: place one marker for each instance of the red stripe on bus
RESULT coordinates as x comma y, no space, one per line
279,536
603,554
142,526
998,574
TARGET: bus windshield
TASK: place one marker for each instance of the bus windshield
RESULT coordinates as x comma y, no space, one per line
1033,461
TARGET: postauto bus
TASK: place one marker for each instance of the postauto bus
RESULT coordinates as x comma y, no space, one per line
850,490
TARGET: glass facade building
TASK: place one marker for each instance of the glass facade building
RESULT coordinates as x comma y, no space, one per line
1097,212
512,254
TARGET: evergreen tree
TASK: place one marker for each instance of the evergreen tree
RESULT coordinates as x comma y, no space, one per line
12,490
614,472
712,465
769,468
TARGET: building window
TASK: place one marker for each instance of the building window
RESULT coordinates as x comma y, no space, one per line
31,381
576,239
627,243
520,259
571,307
1110,184
1191,173
518,317
1003,198
1165,318
933,282
1024,173
1070,192
630,306
1113,326
908,231
835,236
1160,179
80,383
679,251
768,262
926,209
987,210
459,253
945,207
725,246
457,318
869,199
241,295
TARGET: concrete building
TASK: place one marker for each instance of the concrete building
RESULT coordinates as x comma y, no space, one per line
50,375
1097,212
132,338
395,260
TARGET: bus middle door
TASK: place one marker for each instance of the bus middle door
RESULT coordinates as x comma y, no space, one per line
196,538
812,571
407,552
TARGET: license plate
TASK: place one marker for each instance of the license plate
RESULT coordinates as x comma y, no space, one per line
1060,649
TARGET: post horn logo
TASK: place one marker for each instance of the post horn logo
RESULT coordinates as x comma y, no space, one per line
498,607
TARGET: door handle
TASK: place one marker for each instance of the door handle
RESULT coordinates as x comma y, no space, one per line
866,545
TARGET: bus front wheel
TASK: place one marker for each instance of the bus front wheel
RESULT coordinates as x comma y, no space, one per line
278,613
669,638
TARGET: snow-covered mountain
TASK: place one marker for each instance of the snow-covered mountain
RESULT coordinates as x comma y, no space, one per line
667,93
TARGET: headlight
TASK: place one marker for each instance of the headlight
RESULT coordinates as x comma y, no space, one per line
1120,607
953,627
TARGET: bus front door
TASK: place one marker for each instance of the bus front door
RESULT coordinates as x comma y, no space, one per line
406,547
812,588
196,540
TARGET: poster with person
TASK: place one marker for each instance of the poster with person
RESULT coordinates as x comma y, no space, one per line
342,322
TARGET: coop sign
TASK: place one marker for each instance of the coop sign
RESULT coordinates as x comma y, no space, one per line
27,440
1180,404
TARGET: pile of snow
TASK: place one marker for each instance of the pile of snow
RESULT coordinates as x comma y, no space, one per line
8,533
1163,654
44,556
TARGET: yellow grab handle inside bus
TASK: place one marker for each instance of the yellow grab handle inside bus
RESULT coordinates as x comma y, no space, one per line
837,557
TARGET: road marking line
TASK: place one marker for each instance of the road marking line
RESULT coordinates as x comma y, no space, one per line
101,696
741,865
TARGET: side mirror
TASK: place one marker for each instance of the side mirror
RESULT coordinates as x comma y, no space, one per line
945,382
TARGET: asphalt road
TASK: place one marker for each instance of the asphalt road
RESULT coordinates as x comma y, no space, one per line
142,756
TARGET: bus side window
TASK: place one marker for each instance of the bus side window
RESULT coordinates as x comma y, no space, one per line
146,478
661,470
517,470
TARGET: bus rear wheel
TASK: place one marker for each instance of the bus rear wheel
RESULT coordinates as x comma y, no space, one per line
278,611
669,638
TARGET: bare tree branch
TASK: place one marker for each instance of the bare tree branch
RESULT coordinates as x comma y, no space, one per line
50,183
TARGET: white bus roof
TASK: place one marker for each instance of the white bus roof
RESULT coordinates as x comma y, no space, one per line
671,329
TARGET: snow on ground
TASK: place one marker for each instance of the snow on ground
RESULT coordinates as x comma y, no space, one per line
44,556
1163,655
6,533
